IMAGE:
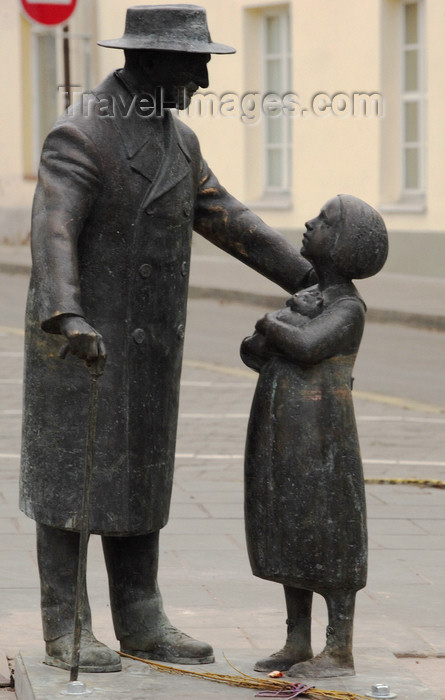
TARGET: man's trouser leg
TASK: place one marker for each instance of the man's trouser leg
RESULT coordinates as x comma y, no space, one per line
58,557
57,554
140,622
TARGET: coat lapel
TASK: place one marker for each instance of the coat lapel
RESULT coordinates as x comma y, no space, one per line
175,163
134,131
154,149
147,161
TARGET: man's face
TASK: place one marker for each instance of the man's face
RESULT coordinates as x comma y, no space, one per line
179,73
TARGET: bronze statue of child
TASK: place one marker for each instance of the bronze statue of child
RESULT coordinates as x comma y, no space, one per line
304,488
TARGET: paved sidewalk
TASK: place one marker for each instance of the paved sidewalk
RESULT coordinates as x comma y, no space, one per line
205,576
391,298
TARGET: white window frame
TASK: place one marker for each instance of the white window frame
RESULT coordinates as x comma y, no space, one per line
85,38
413,96
285,57
36,33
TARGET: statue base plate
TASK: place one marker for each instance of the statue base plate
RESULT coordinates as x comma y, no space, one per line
36,681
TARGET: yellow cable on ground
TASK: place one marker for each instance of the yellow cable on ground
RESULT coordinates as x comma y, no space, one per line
399,402
12,329
221,369
245,681
433,483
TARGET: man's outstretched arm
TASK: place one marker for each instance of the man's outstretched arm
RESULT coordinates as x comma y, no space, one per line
230,225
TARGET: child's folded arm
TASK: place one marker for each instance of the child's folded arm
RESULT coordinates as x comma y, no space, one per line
323,336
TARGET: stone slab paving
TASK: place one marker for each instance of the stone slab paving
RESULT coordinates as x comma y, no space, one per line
205,576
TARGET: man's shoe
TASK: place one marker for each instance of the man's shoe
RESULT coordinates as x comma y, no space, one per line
95,657
171,646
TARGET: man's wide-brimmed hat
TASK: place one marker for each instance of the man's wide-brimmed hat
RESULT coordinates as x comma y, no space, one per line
167,28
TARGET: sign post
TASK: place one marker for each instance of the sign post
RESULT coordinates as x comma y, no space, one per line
50,14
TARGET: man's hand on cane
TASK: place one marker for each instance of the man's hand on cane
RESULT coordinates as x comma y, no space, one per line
83,341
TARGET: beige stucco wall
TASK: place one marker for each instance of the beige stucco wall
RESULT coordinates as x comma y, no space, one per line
15,192
339,46
435,31
325,149
335,154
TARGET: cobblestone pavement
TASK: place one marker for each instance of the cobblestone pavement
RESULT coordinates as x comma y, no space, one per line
205,576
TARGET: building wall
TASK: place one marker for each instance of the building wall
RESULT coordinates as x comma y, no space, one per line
15,192
339,48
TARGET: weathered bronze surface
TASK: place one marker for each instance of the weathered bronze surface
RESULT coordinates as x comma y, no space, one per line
122,183
304,488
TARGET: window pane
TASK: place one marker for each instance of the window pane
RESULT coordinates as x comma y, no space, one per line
411,70
411,121
273,43
274,166
277,63
411,19
287,29
412,168
46,83
289,168
273,75
274,130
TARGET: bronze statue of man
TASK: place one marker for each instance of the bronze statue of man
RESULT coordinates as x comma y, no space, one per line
121,186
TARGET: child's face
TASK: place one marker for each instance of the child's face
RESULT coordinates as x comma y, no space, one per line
321,231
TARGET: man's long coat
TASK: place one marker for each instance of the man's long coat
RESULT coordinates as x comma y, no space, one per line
116,202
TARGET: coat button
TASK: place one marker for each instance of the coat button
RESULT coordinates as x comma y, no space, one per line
184,268
187,208
150,209
145,271
180,331
138,335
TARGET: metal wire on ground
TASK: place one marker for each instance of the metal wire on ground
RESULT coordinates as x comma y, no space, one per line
244,681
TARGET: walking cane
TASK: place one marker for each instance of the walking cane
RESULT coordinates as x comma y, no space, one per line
96,368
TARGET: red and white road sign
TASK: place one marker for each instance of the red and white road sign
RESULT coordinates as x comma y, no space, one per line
50,12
